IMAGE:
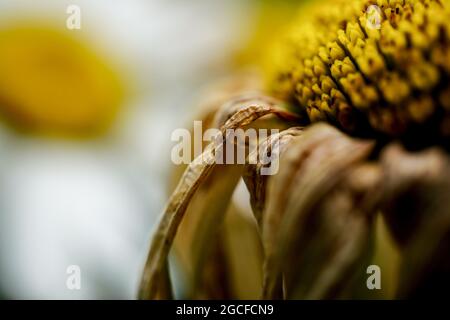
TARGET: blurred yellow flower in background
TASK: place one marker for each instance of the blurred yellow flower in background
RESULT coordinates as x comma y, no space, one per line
272,17
52,83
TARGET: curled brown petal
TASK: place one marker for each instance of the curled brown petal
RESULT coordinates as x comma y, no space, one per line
416,208
278,189
210,204
310,169
254,179
402,172
335,240
196,172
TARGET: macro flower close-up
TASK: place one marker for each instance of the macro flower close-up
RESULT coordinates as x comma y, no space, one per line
362,186
225,150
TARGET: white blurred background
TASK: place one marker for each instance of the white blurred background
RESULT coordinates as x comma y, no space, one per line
94,203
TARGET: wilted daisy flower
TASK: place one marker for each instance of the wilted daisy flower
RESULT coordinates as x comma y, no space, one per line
348,200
